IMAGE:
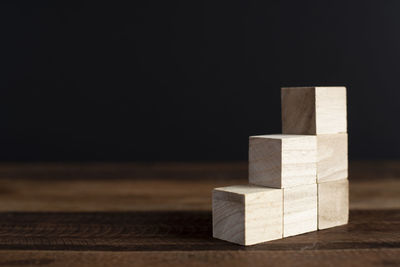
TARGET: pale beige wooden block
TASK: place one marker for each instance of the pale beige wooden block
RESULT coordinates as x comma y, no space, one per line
299,210
314,110
333,203
281,161
247,214
332,161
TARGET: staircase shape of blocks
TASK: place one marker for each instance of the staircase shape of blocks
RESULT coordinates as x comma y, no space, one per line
298,180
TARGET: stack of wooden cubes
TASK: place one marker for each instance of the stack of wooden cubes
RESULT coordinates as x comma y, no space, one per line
298,180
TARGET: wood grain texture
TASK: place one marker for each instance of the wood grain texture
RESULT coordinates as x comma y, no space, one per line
139,214
281,161
331,110
332,157
333,203
298,110
247,214
314,110
299,210
162,186
180,231
368,257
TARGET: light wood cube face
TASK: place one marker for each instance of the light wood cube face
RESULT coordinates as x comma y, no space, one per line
332,161
247,214
314,110
299,210
281,161
333,203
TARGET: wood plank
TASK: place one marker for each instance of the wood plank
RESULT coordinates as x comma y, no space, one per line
160,214
372,186
179,231
304,257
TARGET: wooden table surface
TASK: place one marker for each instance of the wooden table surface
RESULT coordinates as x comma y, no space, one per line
160,215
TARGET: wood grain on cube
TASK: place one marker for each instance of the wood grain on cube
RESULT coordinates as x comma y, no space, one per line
281,161
298,110
299,210
314,110
247,214
333,203
332,157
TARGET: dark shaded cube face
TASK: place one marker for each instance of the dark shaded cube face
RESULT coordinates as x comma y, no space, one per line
298,111
265,162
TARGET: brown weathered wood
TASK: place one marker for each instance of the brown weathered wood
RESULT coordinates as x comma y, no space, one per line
349,257
179,231
160,215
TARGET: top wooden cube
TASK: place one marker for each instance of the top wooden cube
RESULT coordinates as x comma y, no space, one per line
314,110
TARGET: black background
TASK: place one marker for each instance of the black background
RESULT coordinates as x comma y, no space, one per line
188,80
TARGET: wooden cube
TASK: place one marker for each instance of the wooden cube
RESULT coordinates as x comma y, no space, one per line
281,161
247,214
299,210
333,203
332,161
314,110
